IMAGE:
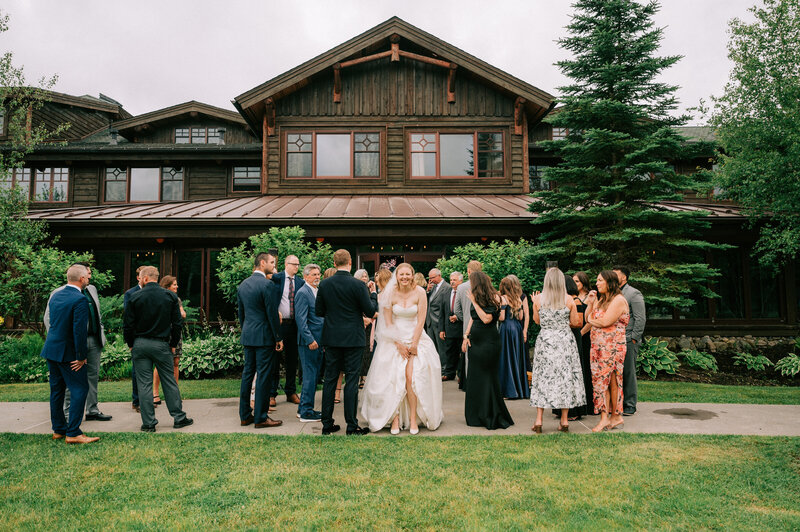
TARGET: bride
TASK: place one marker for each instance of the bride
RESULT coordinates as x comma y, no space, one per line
404,383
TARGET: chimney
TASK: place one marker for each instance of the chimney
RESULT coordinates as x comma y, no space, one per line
113,133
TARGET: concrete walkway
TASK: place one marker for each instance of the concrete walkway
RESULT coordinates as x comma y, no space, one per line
221,415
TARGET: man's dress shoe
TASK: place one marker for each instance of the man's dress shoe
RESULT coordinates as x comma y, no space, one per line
247,421
185,423
330,430
360,431
57,436
269,423
99,416
293,399
83,438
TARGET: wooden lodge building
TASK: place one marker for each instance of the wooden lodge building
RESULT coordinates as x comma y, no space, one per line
394,144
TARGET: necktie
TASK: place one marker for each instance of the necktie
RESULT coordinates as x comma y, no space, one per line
291,297
453,301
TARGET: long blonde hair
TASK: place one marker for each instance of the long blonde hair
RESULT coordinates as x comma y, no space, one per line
554,293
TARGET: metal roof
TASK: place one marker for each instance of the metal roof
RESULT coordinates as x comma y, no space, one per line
310,208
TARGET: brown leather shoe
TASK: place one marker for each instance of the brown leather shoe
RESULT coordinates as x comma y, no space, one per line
247,421
83,438
269,423
136,408
293,399
57,436
273,402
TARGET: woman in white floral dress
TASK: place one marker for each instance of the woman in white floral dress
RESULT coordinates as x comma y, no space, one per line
557,378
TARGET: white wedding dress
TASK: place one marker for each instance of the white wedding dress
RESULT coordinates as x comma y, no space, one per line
384,393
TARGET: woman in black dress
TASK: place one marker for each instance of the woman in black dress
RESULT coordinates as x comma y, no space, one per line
483,404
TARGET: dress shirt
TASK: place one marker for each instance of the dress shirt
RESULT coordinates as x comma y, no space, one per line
284,308
153,312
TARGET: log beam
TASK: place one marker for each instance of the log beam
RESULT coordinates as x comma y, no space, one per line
337,83
269,116
519,115
451,83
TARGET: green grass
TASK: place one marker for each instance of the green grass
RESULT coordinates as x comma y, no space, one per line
691,392
672,392
236,481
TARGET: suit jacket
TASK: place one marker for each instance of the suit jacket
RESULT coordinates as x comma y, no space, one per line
280,280
69,323
309,325
343,301
93,293
463,306
258,312
433,318
635,328
451,330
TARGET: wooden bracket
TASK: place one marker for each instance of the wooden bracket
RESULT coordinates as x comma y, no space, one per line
269,116
395,40
337,83
519,115
451,83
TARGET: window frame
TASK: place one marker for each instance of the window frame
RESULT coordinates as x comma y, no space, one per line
232,181
506,178
64,170
191,129
352,132
128,185
23,169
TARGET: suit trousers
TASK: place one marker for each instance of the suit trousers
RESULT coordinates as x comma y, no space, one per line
134,387
289,331
630,389
63,378
452,353
147,353
257,359
92,375
337,359
311,362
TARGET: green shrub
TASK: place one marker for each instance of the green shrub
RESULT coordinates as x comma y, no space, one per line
111,310
655,356
20,359
788,365
115,361
751,362
206,356
699,360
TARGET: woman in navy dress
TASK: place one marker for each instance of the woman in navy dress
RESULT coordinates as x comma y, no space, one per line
513,361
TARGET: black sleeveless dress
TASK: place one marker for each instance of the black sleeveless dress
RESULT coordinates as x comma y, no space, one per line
483,404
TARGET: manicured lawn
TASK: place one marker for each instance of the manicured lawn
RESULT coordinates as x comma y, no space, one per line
235,481
679,392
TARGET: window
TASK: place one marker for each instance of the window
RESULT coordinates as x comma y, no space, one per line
17,177
182,135
132,185
536,177
333,155
560,133
246,179
447,155
50,185
197,135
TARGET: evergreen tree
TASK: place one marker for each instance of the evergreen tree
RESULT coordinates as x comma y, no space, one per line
757,122
604,205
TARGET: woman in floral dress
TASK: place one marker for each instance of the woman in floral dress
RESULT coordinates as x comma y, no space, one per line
608,315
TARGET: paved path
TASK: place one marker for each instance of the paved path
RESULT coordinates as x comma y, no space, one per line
221,415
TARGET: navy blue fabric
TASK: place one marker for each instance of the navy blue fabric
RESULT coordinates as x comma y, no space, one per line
309,325
280,281
69,320
134,388
63,377
512,371
261,360
311,362
258,312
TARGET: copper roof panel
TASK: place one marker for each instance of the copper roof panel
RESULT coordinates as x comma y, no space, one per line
401,206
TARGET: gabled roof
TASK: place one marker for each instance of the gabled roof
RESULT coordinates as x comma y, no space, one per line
250,103
103,104
169,113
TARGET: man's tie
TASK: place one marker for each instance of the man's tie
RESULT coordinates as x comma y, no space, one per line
453,300
291,297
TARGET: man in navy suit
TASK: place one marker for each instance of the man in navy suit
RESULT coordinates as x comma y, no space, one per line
261,336
65,350
309,340
288,283
343,301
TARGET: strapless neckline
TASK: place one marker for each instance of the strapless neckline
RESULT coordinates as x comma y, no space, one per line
401,307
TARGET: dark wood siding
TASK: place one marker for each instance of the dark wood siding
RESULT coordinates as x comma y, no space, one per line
164,133
82,122
206,182
86,185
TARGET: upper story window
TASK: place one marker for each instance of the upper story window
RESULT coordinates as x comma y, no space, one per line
447,155
138,184
536,176
339,155
50,185
246,179
197,135
560,133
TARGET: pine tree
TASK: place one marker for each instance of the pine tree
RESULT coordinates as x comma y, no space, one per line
603,207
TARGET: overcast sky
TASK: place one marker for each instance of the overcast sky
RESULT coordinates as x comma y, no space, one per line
153,54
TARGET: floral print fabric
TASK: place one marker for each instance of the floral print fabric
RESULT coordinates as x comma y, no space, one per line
607,355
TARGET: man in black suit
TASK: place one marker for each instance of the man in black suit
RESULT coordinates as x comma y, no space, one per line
152,329
261,336
287,283
125,298
343,301
450,328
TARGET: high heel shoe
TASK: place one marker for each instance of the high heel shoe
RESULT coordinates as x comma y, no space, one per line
413,432
394,432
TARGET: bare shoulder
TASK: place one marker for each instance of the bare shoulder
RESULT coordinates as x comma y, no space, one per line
420,293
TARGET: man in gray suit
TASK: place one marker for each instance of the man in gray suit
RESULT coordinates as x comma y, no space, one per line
309,342
633,338
463,308
95,341
438,290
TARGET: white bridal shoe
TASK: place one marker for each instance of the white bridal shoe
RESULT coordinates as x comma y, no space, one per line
395,431
413,431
